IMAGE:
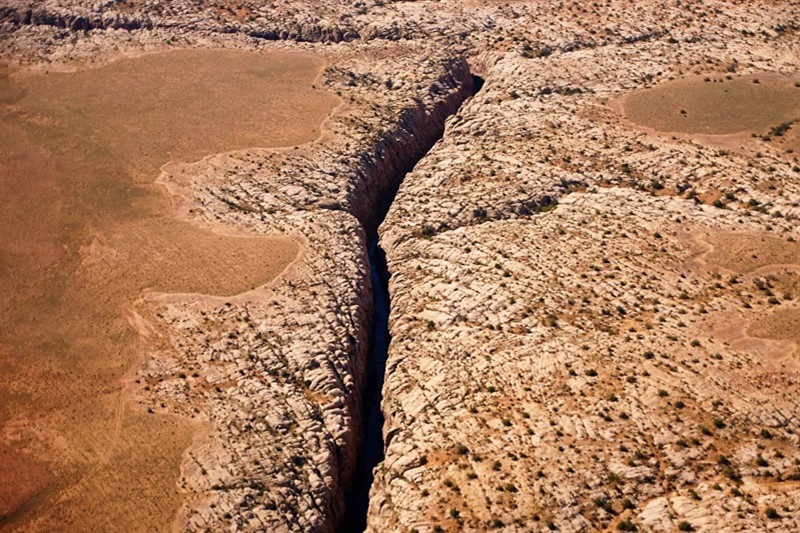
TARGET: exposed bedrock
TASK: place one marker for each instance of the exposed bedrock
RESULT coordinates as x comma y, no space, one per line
278,372
562,355
400,147
41,16
536,29
565,353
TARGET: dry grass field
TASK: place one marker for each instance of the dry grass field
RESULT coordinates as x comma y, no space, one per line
85,230
783,324
716,105
744,253
769,269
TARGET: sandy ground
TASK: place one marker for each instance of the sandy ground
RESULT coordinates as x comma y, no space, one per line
716,105
85,231
769,268
725,110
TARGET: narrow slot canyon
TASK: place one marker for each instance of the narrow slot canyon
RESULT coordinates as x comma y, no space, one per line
414,267
409,266
372,445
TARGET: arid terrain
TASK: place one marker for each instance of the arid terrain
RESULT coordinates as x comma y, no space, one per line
406,266
86,230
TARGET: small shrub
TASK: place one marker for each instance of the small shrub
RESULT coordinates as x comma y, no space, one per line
427,231
628,504
731,474
604,504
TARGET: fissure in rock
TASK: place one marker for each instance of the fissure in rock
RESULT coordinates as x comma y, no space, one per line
372,446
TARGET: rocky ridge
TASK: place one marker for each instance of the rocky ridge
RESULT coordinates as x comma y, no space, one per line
502,25
561,366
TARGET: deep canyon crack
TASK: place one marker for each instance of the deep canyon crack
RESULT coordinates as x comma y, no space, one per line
371,451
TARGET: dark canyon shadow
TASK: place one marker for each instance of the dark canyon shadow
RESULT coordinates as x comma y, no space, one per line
372,452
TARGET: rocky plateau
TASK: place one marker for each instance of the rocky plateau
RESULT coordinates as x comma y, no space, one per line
594,324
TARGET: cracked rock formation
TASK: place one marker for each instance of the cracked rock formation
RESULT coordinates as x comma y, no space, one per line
279,371
594,323
567,350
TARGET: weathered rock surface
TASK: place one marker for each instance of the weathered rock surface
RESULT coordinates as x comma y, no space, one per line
564,367
569,348
278,371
